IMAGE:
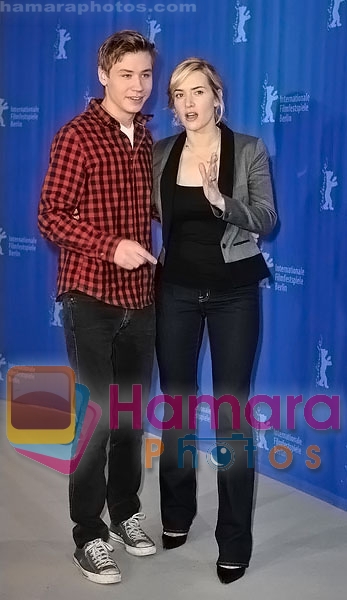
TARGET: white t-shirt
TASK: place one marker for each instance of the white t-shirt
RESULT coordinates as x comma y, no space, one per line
129,131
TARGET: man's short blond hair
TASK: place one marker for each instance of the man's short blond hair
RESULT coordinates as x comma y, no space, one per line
120,43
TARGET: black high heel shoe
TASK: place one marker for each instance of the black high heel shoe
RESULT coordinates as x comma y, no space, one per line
173,541
226,575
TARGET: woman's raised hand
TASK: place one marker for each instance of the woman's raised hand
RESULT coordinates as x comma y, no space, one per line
210,182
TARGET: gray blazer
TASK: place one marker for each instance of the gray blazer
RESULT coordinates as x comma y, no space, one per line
244,181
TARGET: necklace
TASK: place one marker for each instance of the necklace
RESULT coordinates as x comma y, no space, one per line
216,151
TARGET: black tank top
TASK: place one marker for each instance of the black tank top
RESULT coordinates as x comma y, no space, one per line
194,257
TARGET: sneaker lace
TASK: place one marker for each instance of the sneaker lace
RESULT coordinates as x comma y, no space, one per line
133,528
98,551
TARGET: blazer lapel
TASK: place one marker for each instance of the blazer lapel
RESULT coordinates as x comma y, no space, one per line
168,185
227,160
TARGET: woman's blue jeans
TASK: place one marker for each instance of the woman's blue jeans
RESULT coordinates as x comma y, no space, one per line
232,320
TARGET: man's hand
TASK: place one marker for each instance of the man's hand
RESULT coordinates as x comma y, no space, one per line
131,255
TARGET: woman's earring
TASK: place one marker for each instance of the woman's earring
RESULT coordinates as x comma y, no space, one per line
218,113
219,108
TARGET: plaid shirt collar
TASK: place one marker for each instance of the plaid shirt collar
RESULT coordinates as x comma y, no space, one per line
97,111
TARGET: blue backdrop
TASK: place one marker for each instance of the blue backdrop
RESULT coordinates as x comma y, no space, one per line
284,67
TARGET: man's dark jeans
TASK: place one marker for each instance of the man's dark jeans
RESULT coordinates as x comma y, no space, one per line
107,345
233,324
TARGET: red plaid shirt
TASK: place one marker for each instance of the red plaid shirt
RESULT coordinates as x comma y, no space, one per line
94,169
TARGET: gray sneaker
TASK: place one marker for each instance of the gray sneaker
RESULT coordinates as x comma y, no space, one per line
95,563
130,533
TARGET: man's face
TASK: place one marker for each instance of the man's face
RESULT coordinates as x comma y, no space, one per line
127,86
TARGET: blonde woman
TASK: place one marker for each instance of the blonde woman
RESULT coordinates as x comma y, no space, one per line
212,190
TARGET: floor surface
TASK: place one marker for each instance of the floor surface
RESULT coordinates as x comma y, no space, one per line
300,544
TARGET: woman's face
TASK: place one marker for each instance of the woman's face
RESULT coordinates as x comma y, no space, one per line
194,102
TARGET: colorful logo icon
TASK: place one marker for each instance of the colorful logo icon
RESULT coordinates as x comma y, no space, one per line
50,418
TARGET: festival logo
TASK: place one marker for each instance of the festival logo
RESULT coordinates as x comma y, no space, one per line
323,362
242,16
3,106
334,19
270,264
55,312
288,277
203,413
153,29
2,364
286,445
17,115
329,182
270,96
19,246
87,98
3,237
261,441
63,36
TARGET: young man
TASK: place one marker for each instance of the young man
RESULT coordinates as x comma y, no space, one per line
95,205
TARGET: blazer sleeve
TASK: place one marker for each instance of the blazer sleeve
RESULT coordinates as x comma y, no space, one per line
253,210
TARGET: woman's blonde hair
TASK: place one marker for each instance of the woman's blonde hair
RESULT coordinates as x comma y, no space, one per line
189,66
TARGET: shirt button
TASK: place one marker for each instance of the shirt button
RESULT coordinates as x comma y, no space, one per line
102,254
224,245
